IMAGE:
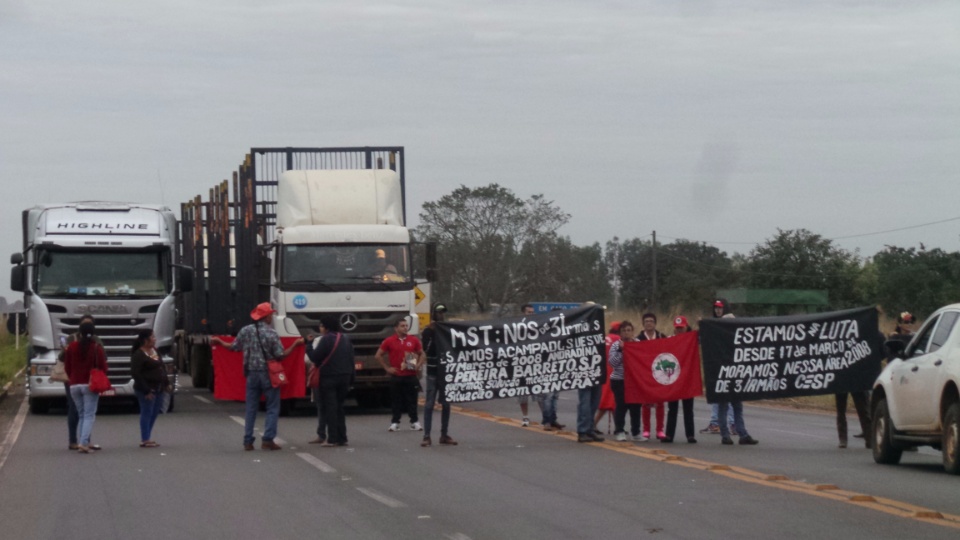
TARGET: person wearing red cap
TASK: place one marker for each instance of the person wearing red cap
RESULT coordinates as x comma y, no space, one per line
260,344
680,325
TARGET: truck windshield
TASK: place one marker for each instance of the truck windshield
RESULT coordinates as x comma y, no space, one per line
346,264
102,273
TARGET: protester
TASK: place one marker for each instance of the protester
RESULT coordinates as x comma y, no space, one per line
860,403
615,363
334,357
81,357
315,395
905,327
73,418
587,404
548,405
650,332
149,383
608,402
719,311
435,382
720,306
680,326
524,401
404,353
260,344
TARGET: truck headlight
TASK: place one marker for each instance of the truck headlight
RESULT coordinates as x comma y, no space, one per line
42,370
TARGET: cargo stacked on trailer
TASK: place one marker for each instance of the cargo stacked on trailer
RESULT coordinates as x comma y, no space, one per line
313,231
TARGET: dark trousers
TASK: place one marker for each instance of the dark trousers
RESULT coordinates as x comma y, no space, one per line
863,413
434,394
621,408
73,419
687,418
403,390
333,392
321,417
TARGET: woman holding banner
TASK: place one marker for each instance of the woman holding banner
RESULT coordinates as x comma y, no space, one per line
615,362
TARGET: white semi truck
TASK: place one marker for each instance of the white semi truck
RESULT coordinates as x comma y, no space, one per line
314,231
115,261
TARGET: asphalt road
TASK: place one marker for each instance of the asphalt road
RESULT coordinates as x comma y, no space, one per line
502,481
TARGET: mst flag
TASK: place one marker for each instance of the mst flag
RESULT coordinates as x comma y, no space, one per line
797,355
660,370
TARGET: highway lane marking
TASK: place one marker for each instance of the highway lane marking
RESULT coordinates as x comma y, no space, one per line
458,536
381,498
827,491
14,433
203,399
311,459
243,423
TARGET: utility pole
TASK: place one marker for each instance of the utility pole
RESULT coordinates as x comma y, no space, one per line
653,299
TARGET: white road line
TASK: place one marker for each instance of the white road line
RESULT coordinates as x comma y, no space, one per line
457,536
243,423
381,498
311,459
203,399
13,433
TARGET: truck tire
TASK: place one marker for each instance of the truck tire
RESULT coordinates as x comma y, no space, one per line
39,406
951,439
884,449
199,366
368,399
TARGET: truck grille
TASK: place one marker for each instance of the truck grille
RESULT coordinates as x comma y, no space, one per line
118,335
372,327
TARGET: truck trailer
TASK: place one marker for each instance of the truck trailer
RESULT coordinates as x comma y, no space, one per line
115,261
313,231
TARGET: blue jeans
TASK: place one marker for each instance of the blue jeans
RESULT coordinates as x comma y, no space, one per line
548,405
258,383
435,392
714,415
587,407
86,402
149,409
737,419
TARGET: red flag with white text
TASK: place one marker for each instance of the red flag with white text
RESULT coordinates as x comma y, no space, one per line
666,369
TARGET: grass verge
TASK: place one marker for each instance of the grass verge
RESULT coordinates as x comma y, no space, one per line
11,359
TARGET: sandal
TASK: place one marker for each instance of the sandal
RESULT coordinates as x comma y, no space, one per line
149,444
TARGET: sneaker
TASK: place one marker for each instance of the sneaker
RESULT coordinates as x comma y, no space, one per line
426,442
621,437
394,427
525,422
726,440
646,435
748,440
583,437
447,440
640,438
416,426
661,435
712,428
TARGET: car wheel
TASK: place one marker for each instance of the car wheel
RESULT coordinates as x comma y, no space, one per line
951,439
884,450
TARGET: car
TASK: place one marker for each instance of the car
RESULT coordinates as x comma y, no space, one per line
915,400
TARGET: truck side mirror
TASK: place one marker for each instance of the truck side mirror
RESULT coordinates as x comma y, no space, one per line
16,258
17,278
185,278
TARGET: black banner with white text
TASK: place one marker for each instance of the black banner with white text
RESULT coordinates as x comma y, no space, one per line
522,356
800,355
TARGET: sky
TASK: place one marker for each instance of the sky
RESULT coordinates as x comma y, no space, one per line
698,119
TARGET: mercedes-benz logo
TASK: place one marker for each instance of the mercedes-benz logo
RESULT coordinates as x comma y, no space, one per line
348,322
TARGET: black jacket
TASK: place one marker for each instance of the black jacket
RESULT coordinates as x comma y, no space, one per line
340,362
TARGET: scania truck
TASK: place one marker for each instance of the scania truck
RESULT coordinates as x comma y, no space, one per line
115,261
314,231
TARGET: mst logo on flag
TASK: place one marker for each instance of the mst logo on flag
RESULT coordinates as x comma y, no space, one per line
666,369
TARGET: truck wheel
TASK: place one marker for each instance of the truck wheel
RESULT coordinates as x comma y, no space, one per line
951,439
884,450
368,399
39,406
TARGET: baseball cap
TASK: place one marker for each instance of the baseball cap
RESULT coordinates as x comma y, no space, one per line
261,311
718,303
615,326
680,322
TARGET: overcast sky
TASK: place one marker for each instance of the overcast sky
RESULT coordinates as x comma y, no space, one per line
713,121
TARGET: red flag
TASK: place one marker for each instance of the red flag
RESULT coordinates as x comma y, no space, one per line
229,382
659,370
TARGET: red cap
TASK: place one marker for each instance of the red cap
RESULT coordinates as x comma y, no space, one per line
615,326
261,311
718,303
680,322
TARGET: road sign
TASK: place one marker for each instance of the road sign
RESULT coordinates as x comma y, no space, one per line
418,295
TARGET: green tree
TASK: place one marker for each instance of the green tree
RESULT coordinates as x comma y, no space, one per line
918,281
800,259
482,234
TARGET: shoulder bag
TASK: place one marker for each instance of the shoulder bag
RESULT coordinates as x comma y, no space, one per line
313,375
278,377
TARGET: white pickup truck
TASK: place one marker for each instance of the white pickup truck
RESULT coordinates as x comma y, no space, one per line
915,399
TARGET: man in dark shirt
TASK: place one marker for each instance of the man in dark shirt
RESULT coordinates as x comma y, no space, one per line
435,381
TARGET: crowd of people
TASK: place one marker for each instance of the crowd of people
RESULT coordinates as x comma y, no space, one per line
404,357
